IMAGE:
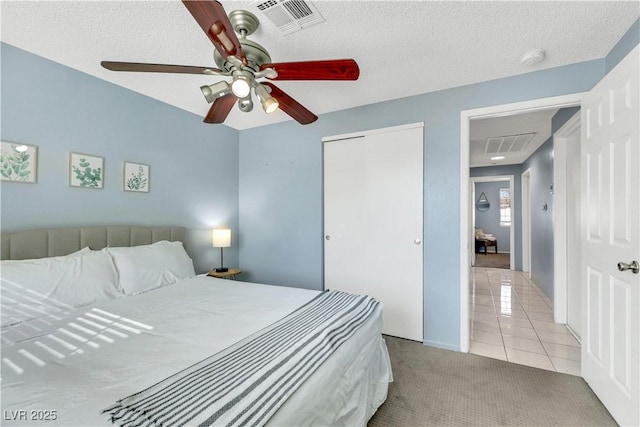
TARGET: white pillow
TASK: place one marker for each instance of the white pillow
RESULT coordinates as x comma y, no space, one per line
142,268
37,287
84,250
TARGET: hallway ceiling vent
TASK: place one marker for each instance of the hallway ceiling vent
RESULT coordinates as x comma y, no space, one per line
508,143
289,15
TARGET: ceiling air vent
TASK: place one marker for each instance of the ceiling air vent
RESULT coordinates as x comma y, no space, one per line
508,144
289,15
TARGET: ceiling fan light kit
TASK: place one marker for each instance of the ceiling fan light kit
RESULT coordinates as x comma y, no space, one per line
245,61
245,104
269,103
241,85
215,91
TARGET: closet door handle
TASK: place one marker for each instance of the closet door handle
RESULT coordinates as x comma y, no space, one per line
417,241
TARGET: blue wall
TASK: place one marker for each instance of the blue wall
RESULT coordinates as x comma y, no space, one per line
281,185
625,45
561,117
489,220
541,165
193,166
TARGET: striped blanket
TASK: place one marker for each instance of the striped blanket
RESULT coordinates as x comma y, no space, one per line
247,383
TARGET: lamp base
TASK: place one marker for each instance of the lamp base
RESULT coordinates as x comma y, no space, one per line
222,270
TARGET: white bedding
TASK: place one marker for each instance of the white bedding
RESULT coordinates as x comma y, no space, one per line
157,333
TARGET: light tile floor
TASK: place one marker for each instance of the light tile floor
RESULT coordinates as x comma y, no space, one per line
511,319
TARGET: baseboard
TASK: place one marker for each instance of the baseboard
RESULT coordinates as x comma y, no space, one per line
572,333
539,289
442,345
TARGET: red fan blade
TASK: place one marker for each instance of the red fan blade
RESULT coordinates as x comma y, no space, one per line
156,68
291,106
220,109
337,69
215,23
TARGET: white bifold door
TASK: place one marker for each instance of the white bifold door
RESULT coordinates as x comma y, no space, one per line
611,241
373,216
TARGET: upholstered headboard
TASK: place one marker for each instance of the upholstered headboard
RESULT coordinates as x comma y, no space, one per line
49,242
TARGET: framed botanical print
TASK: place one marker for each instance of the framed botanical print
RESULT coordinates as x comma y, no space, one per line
86,171
136,177
18,162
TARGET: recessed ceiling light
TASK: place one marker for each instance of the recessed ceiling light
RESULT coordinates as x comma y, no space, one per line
532,57
497,158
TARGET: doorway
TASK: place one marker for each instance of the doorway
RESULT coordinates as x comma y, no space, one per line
526,222
566,220
466,241
492,225
512,316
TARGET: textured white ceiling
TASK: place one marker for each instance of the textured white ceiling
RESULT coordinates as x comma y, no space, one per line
538,122
403,47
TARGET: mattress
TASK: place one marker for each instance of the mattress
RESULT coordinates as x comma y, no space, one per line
65,369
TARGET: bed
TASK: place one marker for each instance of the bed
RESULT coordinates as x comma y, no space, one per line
99,353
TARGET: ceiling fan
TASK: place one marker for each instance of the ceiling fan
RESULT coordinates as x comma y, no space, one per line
246,62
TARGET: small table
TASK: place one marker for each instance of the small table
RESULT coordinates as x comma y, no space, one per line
231,274
483,244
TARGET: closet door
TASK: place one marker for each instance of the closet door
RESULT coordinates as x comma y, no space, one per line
373,192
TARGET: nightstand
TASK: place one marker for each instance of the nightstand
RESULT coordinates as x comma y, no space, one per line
231,274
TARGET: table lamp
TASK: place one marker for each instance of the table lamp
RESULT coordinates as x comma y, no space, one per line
221,239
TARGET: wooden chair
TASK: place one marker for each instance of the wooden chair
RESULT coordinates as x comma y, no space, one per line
493,243
483,243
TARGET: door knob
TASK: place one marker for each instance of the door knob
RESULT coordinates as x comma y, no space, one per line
417,241
634,267
327,237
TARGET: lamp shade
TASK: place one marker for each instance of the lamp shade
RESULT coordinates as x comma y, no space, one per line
221,238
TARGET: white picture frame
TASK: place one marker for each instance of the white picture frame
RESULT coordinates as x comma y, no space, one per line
18,162
86,171
135,177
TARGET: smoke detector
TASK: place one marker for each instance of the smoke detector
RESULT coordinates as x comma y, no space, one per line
532,57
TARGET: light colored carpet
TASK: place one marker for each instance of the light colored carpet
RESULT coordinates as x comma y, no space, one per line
434,387
490,260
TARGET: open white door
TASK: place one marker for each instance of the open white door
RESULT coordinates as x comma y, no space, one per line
611,234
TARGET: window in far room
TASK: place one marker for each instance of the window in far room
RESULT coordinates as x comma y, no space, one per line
505,207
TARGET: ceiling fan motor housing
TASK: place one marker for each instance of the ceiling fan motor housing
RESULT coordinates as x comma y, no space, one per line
256,55
245,23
